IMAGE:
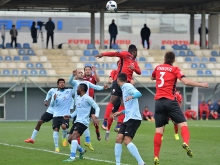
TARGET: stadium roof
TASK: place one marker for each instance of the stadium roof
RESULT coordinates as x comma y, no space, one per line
136,6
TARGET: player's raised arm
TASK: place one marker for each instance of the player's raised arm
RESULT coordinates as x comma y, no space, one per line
71,79
97,78
97,87
112,54
189,82
53,100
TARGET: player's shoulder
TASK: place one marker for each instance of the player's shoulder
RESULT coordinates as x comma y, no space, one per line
53,89
128,85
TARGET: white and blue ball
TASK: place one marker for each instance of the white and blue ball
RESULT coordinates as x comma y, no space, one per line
111,6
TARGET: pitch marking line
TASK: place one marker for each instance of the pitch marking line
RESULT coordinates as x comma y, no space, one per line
59,153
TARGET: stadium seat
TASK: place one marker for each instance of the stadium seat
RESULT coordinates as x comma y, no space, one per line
8,45
115,46
4,52
184,47
212,59
142,59
145,53
88,64
182,53
8,58
26,46
69,52
199,72
39,52
83,58
25,58
21,52
196,59
1,59
92,59
105,65
13,52
214,53
176,53
29,65
30,52
17,58
6,72
208,73
188,59
204,59
42,72
15,72
38,65
162,47
90,46
210,66
202,65
24,72
97,65
33,72
1,46
145,73
176,47
190,53
86,53
148,66
18,46
95,52
101,72
113,66
35,46
193,65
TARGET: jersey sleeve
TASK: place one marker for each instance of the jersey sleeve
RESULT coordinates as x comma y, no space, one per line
72,104
133,91
112,74
53,102
92,103
179,74
115,54
49,94
96,87
137,68
71,81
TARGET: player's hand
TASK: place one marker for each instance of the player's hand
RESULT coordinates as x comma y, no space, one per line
74,72
46,103
93,68
99,55
66,117
55,96
95,121
116,114
128,98
205,85
105,86
131,67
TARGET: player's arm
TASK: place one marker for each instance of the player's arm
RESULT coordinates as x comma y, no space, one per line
134,93
97,87
112,54
110,80
53,100
137,69
97,78
48,96
71,79
153,76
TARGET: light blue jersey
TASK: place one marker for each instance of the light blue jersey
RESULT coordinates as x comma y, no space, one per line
62,104
132,110
75,84
72,104
49,94
83,108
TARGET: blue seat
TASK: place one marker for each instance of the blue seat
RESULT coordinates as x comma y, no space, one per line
17,58
162,47
101,72
90,46
86,53
19,46
26,46
8,45
115,46
114,65
95,52
196,59
1,46
214,53
212,59
42,72
204,59
182,53
15,72
190,53
21,52
176,47
29,65
97,65
38,65
193,65
33,72
208,73
143,59
6,72
25,58
30,52
88,64
24,72
83,58
188,59
148,66
8,58
199,72
184,47
104,65
145,73
92,59
1,58
176,53
202,65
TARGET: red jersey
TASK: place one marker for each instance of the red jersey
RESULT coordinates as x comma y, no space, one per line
166,77
203,107
179,98
113,74
126,59
148,113
92,80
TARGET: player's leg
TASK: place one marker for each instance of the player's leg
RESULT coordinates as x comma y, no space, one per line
121,117
118,145
175,126
87,139
65,126
207,114
57,121
200,113
44,118
130,131
96,126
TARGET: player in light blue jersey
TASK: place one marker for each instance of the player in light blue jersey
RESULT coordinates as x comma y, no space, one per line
47,116
61,102
82,112
75,79
131,121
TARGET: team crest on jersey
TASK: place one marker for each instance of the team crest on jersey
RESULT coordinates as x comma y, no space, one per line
113,91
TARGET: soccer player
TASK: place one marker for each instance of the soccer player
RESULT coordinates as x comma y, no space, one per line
204,108
147,115
132,120
190,114
46,117
83,108
127,64
166,106
61,102
93,79
78,75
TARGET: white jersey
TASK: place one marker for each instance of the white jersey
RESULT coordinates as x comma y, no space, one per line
49,94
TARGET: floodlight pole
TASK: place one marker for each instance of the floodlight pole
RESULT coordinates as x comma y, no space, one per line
92,28
192,20
102,45
203,31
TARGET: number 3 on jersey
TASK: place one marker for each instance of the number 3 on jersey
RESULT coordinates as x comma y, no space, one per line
162,79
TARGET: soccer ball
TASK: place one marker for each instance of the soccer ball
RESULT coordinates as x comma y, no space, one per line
111,6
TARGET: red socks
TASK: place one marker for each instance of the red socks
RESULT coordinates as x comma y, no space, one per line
157,144
185,134
78,139
121,117
108,110
96,128
175,129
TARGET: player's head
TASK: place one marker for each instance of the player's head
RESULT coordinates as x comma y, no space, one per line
88,70
189,107
122,78
61,83
146,108
133,50
169,58
203,102
79,75
209,102
82,89
218,102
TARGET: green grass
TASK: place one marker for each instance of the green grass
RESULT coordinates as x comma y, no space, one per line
205,144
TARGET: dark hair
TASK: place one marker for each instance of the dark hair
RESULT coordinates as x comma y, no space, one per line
84,87
189,107
132,48
13,25
60,79
87,67
122,77
169,57
146,106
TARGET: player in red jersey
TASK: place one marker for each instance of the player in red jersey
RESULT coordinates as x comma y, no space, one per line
166,105
127,64
93,79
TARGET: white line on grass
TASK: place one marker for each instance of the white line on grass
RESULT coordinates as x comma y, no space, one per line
59,153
